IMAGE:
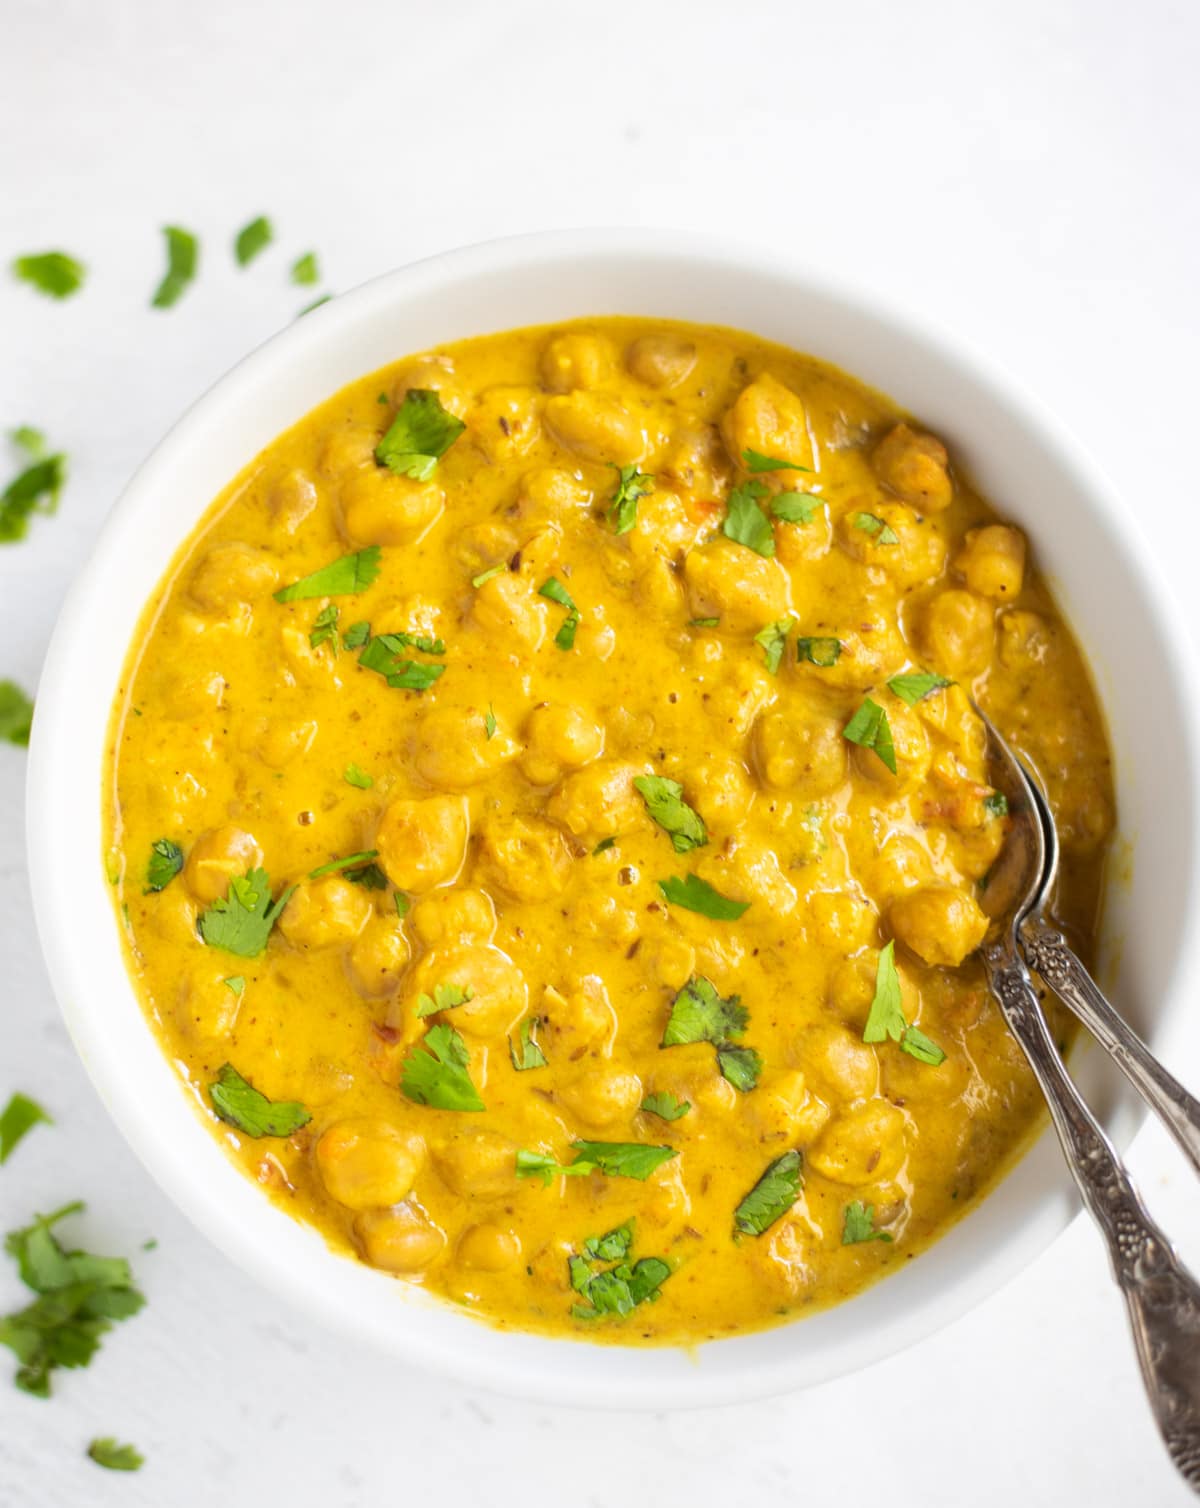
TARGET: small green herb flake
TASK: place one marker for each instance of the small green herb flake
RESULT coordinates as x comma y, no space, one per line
914,688
356,635
496,570
603,846
870,729
351,861
917,1045
421,432
703,622
253,239
796,507
886,1017
444,998
36,489
56,274
113,1457
324,629
239,1104
741,1066
436,1072
19,1117
996,804
489,723
556,592
242,922
183,256
694,894
166,860
525,1052
822,653
617,1290
542,1165
700,1014
773,640
746,523
622,1159
16,714
755,462
385,654
236,985
859,1224
306,273
632,486
666,806
771,1197
613,1246
877,528
340,578
665,1106
355,776
402,903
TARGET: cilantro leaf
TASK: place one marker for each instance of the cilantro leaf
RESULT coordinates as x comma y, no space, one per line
350,573
183,255
665,1106
20,1116
694,894
496,570
754,461
796,507
996,804
324,629
444,998
604,845
237,1102
421,432
700,1014
356,635
16,714
352,775
36,489
914,688
622,1159
56,274
886,1017
242,922
665,803
436,1073
870,729
613,1246
859,1224
745,521
819,652
166,860
305,271
740,1065
236,985
632,486
917,1045
542,1165
773,640
369,876
878,529
525,1053
113,1457
351,861
618,1290
565,637
385,655
771,1197
703,622
252,239
489,723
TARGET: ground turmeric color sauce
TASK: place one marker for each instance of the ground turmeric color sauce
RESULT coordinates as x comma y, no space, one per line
639,708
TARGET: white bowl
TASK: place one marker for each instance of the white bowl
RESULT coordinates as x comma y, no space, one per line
1032,472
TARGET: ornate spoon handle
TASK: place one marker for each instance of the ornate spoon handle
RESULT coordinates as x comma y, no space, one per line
1162,1297
1047,953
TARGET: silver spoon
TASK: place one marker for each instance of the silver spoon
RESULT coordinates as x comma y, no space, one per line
1162,1297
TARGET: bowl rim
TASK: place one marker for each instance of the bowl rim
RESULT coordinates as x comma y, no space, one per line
219,1213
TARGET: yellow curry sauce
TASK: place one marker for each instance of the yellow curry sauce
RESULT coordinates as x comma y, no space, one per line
501,936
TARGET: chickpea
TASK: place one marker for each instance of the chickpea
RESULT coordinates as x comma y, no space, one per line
452,916
992,561
727,581
559,737
852,988
596,427
508,610
403,1240
599,801
478,1164
661,361
381,508
194,695
325,911
216,857
797,545
695,459
598,913
720,789
489,1248
769,418
525,857
784,1106
862,1145
841,919
365,1163
451,749
910,746
232,576
868,654
1025,640
916,468
378,957
602,1097
804,752
941,924
292,499
348,449
499,994
551,492
422,844
899,865
842,1065
669,960
432,374
505,422
958,631
891,537
581,1021
539,553
207,1007
576,360
746,870
279,741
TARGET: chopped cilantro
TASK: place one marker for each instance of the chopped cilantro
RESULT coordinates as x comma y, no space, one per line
878,529
489,723
385,655
324,629
369,876
356,635
183,255
242,922
914,688
253,239
554,589
305,272
16,714
113,1457
444,998
166,860
917,1045
436,1072
703,622
745,522
525,1053
996,804
665,803
886,1018
771,1197
622,1159
56,274
859,1224
665,1106
695,894
796,507
236,985
700,1014
740,1065
353,775
20,1116
603,846
542,1165
239,1104
755,461
819,652
616,1290
773,640
632,486
610,1247
350,573
36,489
870,729
496,570
351,861
421,432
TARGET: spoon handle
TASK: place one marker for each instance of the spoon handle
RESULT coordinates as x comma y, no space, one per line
1047,953
1162,1298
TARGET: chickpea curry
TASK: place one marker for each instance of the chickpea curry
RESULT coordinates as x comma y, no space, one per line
549,820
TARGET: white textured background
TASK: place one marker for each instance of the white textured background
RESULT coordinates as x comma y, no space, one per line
1025,172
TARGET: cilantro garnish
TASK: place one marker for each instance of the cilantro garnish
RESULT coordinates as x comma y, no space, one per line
183,255
859,1224
877,528
914,688
632,486
166,860
36,489
554,589
996,804
253,239
351,861
385,655
772,1196
489,723
242,922
694,894
53,273
16,714
665,1106
496,570
796,507
324,629
616,1159
526,1053
870,729
238,1103
444,998
820,652
745,522
773,640
113,1457
356,635
421,432
755,461
886,1017
740,1065
20,1116
616,1290
665,803
306,272
700,1014
436,1072
350,573
352,775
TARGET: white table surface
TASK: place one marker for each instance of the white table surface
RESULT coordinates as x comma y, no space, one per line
1024,172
